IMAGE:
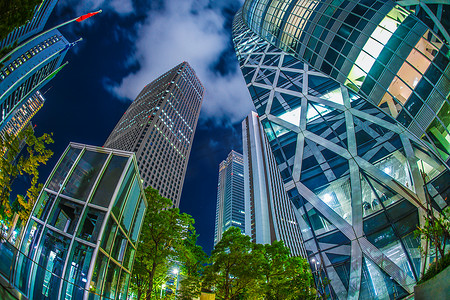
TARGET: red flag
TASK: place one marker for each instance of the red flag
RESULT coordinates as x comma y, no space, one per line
86,16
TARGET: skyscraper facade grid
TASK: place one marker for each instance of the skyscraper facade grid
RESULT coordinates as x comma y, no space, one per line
376,48
359,179
159,127
230,209
269,213
29,69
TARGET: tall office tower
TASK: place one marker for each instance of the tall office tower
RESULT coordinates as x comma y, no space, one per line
230,209
81,238
159,127
35,25
29,69
270,215
376,48
22,115
359,179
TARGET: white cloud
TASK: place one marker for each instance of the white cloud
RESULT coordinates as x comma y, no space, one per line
188,31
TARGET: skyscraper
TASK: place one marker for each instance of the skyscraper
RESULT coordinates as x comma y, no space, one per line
376,48
359,179
29,69
159,127
269,214
35,25
22,115
230,209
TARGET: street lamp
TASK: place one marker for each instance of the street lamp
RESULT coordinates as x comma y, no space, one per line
176,272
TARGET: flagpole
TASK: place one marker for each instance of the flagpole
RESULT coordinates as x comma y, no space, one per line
79,19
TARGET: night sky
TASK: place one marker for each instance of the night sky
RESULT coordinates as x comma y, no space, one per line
129,45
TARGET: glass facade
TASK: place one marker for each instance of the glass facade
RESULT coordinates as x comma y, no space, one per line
230,209
357,177
378,49
75,242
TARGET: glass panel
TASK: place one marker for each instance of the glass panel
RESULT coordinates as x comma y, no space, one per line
397,167
129,258
89,228
122,194
54,248
108,235
109,180
65,215
84,176
28,248
412,244
370,201
77,271
112,275
337,195
63,169
43,206
119,246
138,221
95,285
130,206
123,286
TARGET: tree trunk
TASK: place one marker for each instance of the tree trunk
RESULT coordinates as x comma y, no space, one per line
150,281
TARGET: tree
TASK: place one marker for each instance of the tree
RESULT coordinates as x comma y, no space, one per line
192,258
161,240
284,276
234,267
15,13
22,155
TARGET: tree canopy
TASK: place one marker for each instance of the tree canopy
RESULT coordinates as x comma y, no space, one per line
163,239
15,13
21,156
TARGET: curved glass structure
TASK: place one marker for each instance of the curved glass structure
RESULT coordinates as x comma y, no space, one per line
359,179
376,48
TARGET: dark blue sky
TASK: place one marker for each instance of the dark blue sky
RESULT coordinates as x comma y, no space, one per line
128,46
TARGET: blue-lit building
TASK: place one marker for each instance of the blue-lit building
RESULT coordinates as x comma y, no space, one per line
29,69
376,48
359,179
230,208
81,238
33,26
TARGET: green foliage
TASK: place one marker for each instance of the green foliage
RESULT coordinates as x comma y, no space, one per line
193,258
242,270
22,155
162,239
15,13
435,268
437,231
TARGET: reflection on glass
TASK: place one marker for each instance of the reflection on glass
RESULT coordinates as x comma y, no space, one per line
130,206
83,177
52,257
137,221
129,257
337,195
108,183
108,235
370,201
396,166
119,246
43,205
122,194
77,271
110,285
66,215
63,169
95,286
123,285
89,228
28,248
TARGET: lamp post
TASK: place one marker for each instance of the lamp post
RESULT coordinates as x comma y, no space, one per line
176,272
